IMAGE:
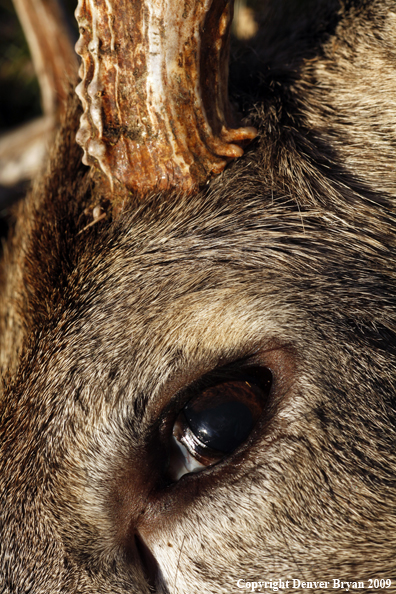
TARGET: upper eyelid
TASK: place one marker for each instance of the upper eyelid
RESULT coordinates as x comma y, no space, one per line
164,421
177,391
205,380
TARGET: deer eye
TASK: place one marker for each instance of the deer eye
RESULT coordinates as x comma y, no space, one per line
214,423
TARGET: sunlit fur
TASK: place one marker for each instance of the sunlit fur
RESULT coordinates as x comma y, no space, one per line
286,260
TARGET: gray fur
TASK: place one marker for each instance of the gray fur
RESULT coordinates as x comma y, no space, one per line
287,261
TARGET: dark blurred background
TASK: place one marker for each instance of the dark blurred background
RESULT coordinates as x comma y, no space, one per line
19,90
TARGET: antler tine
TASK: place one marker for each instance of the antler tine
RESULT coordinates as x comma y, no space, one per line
154,92
51,49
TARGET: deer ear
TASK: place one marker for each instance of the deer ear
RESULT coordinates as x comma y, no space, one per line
154,92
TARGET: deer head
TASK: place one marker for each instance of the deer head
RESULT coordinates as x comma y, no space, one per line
199,370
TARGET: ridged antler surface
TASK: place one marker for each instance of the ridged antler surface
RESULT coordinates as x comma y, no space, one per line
154,91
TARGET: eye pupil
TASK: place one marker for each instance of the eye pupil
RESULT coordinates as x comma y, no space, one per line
219,417
223,427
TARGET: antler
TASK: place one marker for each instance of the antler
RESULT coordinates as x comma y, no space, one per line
154,92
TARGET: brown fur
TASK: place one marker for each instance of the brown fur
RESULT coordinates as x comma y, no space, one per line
286,261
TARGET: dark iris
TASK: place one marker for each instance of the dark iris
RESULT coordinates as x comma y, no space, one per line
219,417
223,427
